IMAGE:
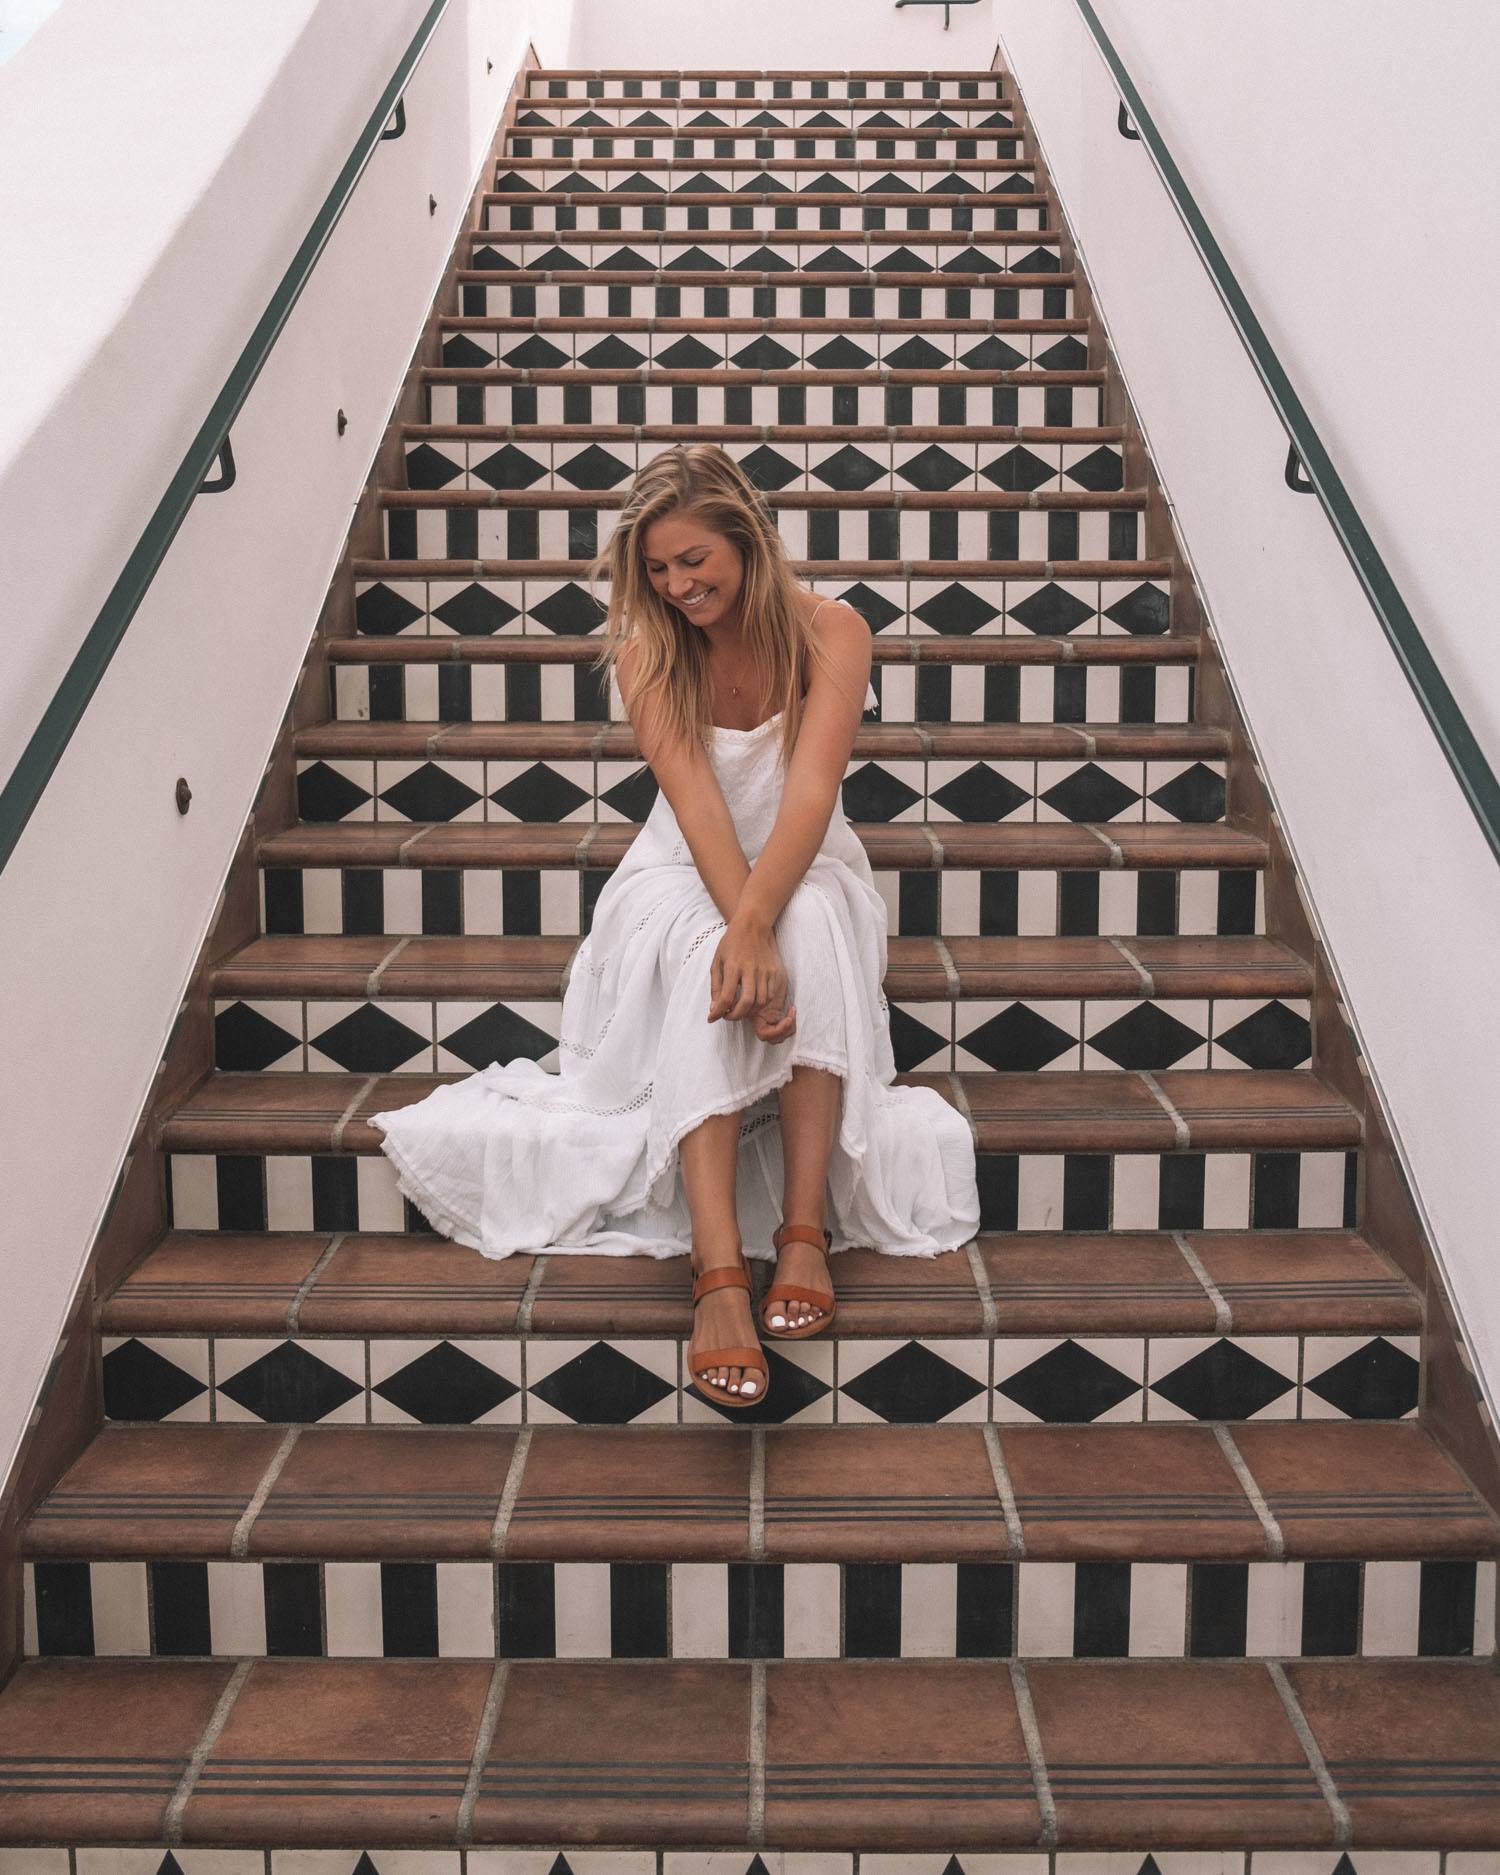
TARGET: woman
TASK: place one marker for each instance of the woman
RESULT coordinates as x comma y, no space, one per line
731,977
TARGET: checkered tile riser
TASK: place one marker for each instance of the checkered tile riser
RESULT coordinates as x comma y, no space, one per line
970,1035
703,346
893,791
1030,610
1072,1191
703,145
661,176
567,213
531,901
521,689
784,463
805,401
760,88
758,248
625,1380
760,1611
587,298
832,113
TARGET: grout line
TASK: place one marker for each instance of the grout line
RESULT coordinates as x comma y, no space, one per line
366,1086
1179,1125
1116,857
1021,1690
483,1739
1275,1540
757,1534
1005,1489
950,970
1148,982
528,1296
1343,1828
1223,1314
501,1526
372,982
304,1288
755,1803
239,1542
171,1828
982,1283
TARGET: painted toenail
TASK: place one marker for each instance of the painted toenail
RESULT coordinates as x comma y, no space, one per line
749,1387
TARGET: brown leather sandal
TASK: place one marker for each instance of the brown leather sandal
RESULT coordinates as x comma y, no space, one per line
729,1276
790,1292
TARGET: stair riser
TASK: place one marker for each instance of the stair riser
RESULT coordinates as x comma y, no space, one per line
928,1036
890,791
812,114
663,296
702,146
880,88
632,1380
848,467
578,215
1031,611
699,347
530,901
460,691
757,249
251,1191
659,179
749,1611
1063,406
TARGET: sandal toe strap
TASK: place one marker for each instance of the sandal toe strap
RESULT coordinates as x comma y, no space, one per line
790,1292
753,1358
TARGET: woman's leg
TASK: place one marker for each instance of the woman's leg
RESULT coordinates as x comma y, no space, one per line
809,1104
709,1157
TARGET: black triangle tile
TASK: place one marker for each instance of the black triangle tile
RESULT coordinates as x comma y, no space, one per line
902,260
992,354
559,260
1090,793
576,183
876,610
1144,612
541,793
1197,794
842,354
246,1042
475,611
601,1387
1051,611
427,467
694,260
768,469
1017,1040
1222,1382
638,184
489,259
766,260
625,260
914,1043
369,1040
874,793
848,470
1376,1381
612,354
1273,1036
956,612
1146,1037
514,183
1018,470
533,354
933,470
974,260
430,792
445,1387
917,354
289,1385
324,794
460,349
509,467
890,184
381,612
139,1383
764,354
634,797
594,467
1068,354
1100,471
834,260
570,612
982,794
1039,260
498,1033
912,1386
689,354
1067,1384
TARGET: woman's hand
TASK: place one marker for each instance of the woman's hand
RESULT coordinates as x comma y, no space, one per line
746,978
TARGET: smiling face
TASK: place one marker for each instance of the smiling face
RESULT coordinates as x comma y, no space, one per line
693,568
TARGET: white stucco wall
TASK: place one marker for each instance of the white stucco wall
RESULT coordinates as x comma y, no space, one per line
821,35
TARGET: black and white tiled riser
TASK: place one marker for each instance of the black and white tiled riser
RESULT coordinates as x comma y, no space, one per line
967,607
761,1611
759,86
707,347
778,463
582,401
832,113
970,1035
526,689
893,791
568,213
758,249
521,901
794,298
705,144
1116,1380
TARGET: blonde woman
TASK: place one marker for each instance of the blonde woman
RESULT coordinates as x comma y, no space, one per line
725,1067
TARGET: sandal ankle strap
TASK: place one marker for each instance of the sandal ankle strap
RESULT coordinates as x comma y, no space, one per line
802,1233
731,1276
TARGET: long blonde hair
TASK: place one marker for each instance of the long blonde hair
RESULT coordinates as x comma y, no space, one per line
671,665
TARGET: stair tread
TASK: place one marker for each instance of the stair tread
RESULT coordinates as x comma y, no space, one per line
908,844
986,966
1251,1110
1293,1282
656,1752
891,652
840,1494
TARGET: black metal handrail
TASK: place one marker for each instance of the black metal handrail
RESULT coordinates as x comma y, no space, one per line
43,752
944,4
1310,470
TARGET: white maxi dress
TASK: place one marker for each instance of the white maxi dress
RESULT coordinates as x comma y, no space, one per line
585,1159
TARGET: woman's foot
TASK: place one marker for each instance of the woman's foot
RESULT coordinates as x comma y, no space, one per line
799,1266
722,1319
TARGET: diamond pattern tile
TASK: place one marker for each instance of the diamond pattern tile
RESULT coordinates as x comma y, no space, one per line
290,1385
1224,1381
431,792
475,611
1067,1384
370,1040
1051,612
1019,1040
914,1386
445,1386
601,1387
499,1033
956,611
139,1383
1148,1036
1376,1381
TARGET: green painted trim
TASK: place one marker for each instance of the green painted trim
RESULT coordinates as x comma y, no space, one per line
1457,740
39,759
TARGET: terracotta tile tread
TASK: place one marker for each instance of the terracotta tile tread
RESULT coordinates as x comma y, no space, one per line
1289,1282
556,740
813,569
978,500
1172,650
765,198
888,844
733,374
498,967
960,279
891,1493
769,432
893,1755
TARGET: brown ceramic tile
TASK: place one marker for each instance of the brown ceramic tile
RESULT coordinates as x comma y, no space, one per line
1156,1754
885,1295
272,1112
990,966
1298,1281
975,843
154,1491
633,1493
914,969
882,1493
414,1285
1413,1747
92,1751
386,1491
1067,1113
331,1751
586,1295
389,1091
652,1752
479,967
896,1755
1164,1492
1350,1488
303,966
1222,966
1113,1283
213,1281
1259,1110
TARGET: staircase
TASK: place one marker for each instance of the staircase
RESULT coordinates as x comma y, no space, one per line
1124,1529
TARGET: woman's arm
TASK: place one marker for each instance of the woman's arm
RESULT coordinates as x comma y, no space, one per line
831,714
